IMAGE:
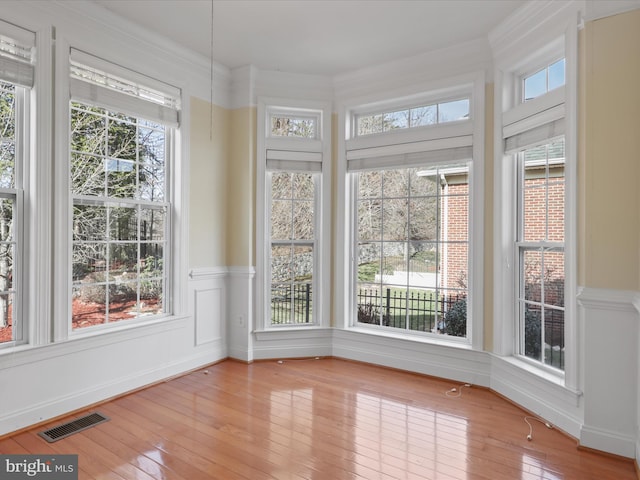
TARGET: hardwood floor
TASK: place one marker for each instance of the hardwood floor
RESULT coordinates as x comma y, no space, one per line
324,419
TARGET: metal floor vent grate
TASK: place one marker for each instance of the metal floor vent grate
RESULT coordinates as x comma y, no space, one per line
61,431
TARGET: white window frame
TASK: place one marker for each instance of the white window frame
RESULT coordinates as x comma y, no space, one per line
17,67
173,290
281,149
557,109
433,140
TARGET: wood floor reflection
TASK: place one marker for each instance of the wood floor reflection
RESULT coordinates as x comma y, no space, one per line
324,419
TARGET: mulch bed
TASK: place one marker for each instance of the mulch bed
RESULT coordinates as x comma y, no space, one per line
87,314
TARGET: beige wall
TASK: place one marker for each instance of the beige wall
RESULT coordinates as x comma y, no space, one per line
241,187
208,202
609,177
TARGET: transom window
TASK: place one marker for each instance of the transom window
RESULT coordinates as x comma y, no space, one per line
293,126
544,80
381,122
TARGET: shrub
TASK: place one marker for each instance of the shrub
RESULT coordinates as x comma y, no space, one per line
455,320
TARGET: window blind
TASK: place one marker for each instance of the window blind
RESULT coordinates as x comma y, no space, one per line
16,55
294,161
415,154
102,83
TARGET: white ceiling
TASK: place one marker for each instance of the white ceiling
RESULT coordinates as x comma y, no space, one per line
324,37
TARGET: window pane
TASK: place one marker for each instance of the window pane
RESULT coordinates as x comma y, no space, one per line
535,215
123,258
123,224
370,184
535,85
7,215
122,139
121,178
554,278
423,218
87,175
152,222
554,337
452,111
152,260
7,135
89,262
369,124
303,218
424,116
556,74
6,317
452,313
424,182
395,183
394,263
89,223
532,331
423,266
395,120
303,186
532,269
281,266
369,262
89,305
151,154
395,219
302,127
369,300
88,130
370,224
281,220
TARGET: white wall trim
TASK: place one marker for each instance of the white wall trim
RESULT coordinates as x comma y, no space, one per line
208,273
543,396
608,441
610,337
290,343
457,363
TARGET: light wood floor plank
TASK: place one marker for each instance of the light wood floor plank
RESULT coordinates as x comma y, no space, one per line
325,419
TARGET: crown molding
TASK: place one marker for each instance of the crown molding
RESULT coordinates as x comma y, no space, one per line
532,25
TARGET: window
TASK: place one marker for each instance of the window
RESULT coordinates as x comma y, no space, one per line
293,246
543,81
381,122
293,126
294,227
408,227
16,80
413,248
536,277
540,246
119,178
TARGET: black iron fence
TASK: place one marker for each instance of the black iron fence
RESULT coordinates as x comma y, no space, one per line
291,304
423,310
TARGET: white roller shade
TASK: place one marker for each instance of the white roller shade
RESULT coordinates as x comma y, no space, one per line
534,123
533,137
16,55
294,161
415,154
111,86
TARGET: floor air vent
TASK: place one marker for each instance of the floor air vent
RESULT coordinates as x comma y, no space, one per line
61,431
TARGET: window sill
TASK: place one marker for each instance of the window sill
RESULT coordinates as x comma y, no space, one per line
91,339
440,340
538,371
284,333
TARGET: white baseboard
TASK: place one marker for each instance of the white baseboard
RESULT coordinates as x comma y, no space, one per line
608,441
